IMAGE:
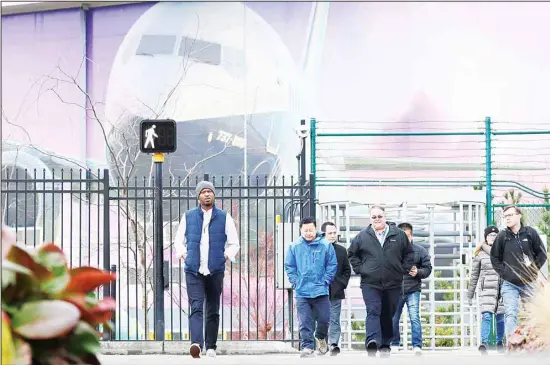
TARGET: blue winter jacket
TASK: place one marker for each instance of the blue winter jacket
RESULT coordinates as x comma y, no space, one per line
311,266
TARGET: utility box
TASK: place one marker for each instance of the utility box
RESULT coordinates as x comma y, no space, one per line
285,234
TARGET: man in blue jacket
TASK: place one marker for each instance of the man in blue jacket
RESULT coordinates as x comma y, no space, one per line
206,239
311,265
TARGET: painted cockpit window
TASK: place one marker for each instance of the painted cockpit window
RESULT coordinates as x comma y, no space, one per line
155,44
200,51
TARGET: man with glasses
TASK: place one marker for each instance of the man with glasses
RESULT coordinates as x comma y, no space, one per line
517,256
338,286
381,254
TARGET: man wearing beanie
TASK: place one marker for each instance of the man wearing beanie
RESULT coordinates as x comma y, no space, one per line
206,239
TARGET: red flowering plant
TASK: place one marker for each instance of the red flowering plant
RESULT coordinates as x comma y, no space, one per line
50,312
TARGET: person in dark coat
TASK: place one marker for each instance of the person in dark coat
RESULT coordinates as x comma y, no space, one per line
517,255
338,286
412,283
488,292
381,254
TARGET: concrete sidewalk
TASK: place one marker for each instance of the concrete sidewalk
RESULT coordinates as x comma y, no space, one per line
182,347
469,357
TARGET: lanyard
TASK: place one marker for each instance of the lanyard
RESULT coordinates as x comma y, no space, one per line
516,236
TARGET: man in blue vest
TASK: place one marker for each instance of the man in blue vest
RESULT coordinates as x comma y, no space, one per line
206,239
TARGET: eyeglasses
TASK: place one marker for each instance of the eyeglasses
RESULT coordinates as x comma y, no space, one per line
509,215
373,217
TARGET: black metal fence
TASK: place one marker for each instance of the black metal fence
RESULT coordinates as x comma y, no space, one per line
109,223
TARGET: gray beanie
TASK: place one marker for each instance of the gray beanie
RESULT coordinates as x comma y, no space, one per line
205,185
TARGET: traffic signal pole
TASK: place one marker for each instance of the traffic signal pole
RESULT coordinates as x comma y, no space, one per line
157,137
158,159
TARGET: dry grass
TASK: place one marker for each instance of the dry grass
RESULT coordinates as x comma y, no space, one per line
533,332
538,313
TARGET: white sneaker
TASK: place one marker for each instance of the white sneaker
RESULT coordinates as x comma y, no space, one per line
417,351
307,353
211,353
394,349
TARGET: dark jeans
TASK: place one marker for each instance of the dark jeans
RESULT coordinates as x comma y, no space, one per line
381,305
199,288
311,310
334,327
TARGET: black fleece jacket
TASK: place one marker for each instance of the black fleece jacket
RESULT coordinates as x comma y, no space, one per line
381,267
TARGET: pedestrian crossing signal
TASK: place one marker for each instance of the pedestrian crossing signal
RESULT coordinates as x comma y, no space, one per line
158,136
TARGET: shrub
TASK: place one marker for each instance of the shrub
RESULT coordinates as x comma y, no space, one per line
50,312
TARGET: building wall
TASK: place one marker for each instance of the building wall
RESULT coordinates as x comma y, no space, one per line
57,63
398,66
34,45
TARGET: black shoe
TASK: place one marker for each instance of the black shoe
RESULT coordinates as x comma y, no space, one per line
334,350
372,348
483,349
500,348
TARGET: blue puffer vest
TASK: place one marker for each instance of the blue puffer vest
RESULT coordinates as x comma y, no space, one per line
193,233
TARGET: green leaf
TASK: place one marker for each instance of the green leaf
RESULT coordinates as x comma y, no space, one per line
55,262
8,278
56,285
10,271
85,340
11,310
91,299
18,283
41,320
21,257
7,265
108,326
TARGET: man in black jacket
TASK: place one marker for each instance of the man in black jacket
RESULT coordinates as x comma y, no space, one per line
340,283
412,283
517,256
381,254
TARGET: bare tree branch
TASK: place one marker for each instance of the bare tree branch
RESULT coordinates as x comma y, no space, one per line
124,158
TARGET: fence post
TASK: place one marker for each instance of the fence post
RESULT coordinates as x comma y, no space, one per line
312,210
488,172
313,159
302,170
106,239
113,295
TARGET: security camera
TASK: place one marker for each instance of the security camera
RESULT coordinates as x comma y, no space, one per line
302,130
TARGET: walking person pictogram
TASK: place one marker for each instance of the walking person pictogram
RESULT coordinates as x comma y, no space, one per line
149,137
